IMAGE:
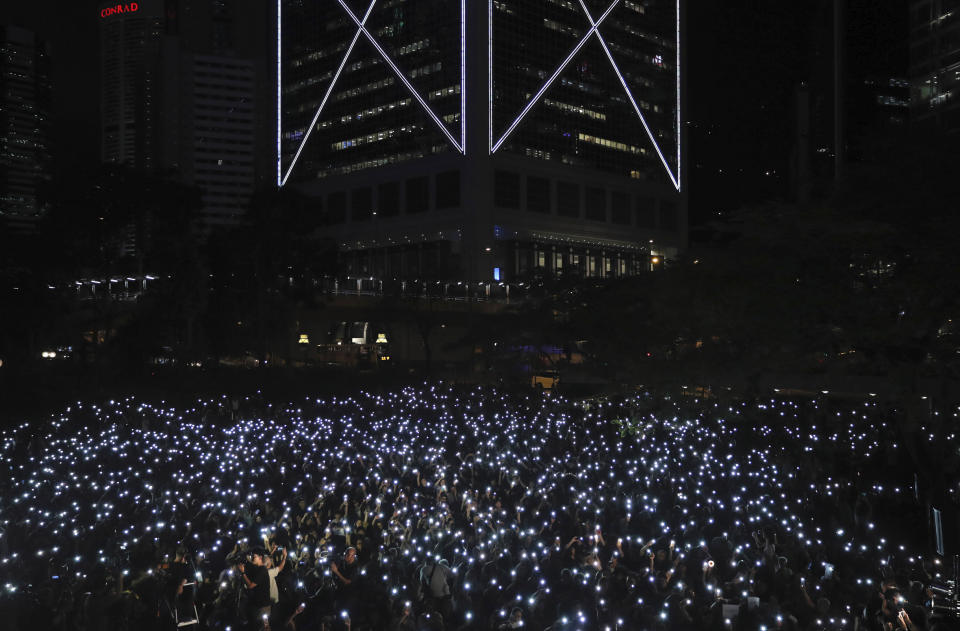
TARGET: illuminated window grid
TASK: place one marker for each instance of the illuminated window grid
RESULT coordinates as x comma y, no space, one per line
639,107
360,23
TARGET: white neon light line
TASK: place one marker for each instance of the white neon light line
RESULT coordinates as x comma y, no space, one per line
679,181
463,77
279,93
490,77
333,83
402,78
626,88
560,68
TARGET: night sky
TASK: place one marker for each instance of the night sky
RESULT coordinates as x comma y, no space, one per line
745,59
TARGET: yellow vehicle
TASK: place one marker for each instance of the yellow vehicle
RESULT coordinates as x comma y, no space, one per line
545,380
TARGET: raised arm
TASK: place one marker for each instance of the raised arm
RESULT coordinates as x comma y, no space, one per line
246,579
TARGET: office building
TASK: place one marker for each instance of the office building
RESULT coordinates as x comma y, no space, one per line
179,97
218,154
487,140
236,36
25,98
885,102
935,64
130,42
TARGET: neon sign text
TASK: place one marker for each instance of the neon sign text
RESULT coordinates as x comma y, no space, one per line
131,7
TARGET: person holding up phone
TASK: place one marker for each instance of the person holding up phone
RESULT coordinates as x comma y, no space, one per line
257,581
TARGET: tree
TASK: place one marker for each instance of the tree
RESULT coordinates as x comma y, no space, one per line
865,272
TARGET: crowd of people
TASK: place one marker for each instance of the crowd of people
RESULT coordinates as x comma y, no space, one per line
444,508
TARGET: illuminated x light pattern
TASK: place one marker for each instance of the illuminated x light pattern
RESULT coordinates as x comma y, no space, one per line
362,30
279,93
595,30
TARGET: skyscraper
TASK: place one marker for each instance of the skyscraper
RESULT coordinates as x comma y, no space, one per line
25,96
935,64
487,140
130,42
218,152
179,99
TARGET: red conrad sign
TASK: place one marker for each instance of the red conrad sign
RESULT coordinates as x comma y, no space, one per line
119,9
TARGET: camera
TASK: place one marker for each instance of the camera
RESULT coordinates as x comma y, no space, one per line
236,558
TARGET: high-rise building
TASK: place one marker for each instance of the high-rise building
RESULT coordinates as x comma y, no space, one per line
238,32
218,152
130,42
935,64
178,99
25,98
487,140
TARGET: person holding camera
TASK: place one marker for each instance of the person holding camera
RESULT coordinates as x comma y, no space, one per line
257,581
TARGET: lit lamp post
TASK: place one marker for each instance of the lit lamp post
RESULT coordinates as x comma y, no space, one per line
304,344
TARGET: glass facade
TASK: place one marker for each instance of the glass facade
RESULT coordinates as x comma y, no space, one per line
369,116
571,132
935,63
560,89
589,110
25,98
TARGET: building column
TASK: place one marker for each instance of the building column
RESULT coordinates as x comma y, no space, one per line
476,176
